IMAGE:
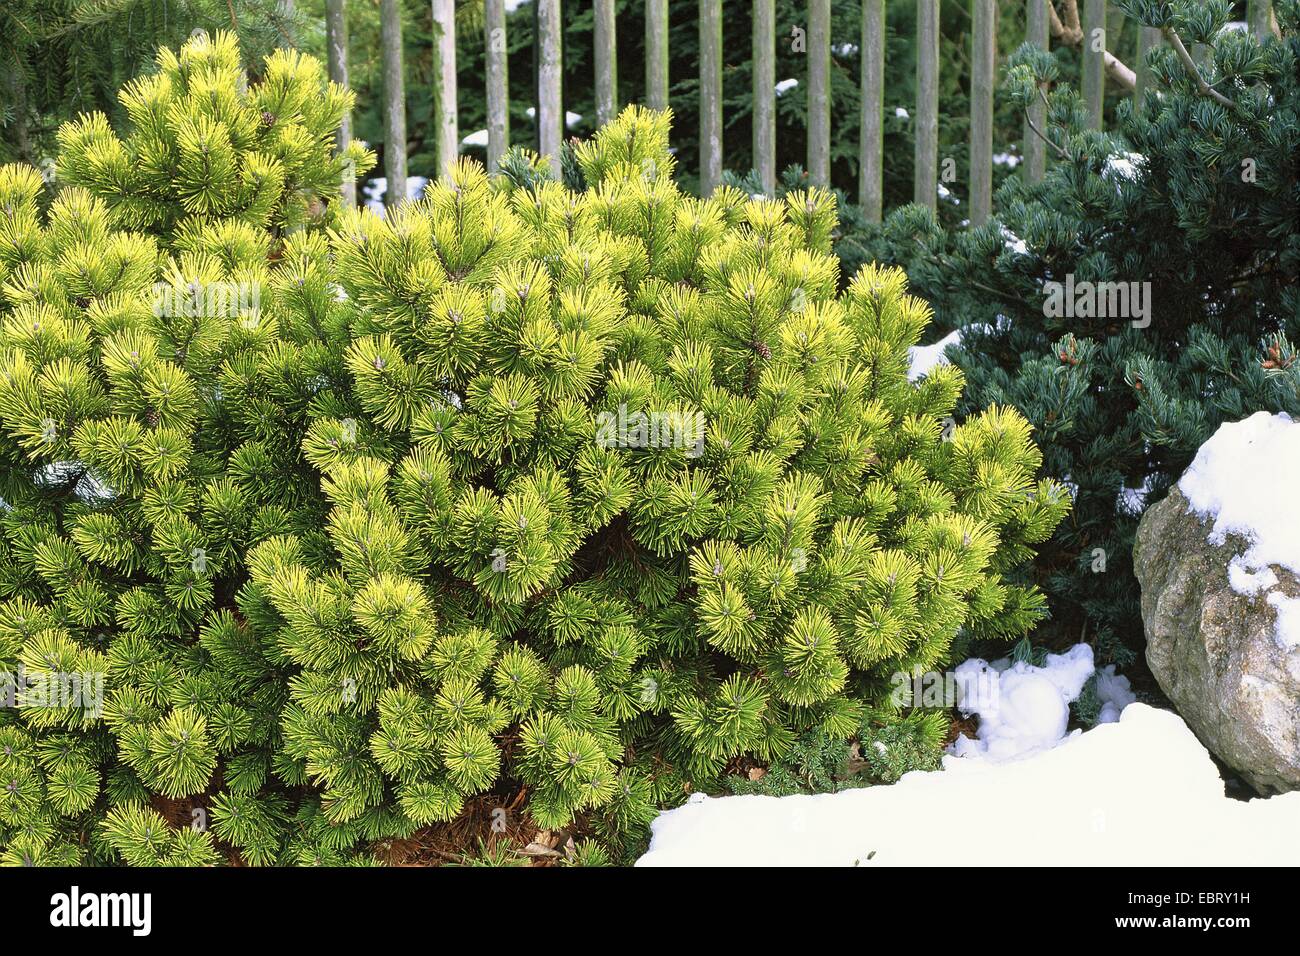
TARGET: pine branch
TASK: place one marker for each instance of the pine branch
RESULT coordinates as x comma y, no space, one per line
1185,58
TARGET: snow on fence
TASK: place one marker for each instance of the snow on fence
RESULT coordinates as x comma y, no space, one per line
1085,28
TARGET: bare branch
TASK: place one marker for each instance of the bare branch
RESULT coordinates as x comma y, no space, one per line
1039,133
1071,34
1192,69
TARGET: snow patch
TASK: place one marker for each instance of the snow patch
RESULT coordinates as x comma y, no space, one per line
1022,708
571,119
377,189
1115,693
1014,242
924,359
1287,629
1137,792
1125,165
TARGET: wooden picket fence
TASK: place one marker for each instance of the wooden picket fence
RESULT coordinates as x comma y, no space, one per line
1086,29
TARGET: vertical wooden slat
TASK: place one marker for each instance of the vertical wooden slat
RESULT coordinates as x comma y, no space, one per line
764,59
710,95
983,59
336,57
550,104
446,125
926,125
498,84
1259,14
819,91
871,145
1035,150
394,103
1148,39
656,54
606,63
1093,81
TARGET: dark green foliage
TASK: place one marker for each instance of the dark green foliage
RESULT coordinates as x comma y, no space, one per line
59,58
880,754
1208,216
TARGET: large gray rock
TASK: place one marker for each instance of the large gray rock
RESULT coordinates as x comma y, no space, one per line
1214,652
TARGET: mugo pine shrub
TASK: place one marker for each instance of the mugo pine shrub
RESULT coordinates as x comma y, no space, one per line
152,409
626,492
592,493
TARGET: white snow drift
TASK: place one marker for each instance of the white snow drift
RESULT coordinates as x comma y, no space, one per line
1024,708
1141,791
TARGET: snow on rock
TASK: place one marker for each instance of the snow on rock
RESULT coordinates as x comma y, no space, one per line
1244,479
924,359
1137,792
1022,708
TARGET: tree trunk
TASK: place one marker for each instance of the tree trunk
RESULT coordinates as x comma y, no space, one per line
1148,39
1035,150
871,163
498,84
550,103
926,173
336,54
394,103
1094,60
656,54
764,55
819,92
983,63
606,63
1259,14
710,95
446,132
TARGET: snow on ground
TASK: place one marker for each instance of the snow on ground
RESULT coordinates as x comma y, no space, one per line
925,358
1244,479
1138,792
377,189
1025,708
